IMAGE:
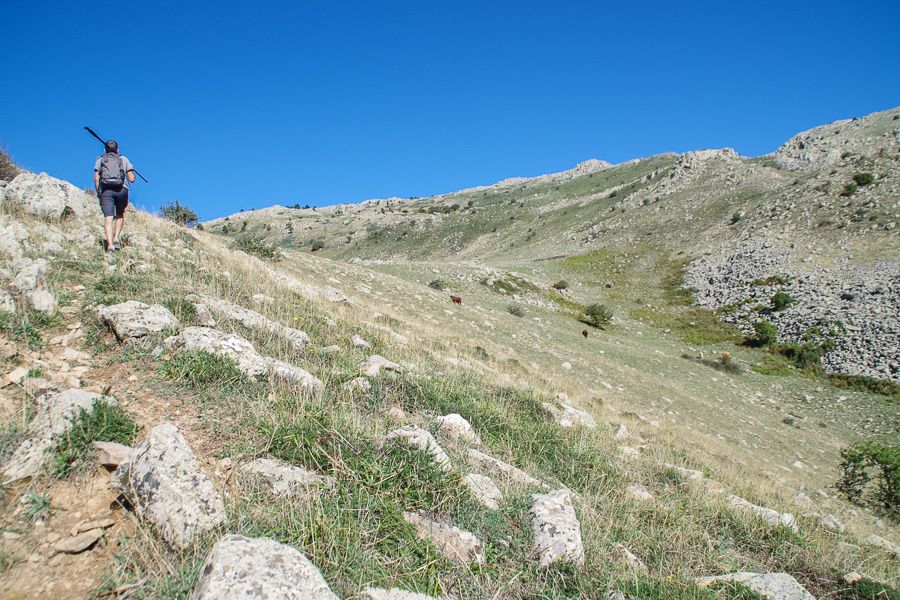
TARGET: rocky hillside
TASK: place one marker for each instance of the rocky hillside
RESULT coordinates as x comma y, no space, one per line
186,419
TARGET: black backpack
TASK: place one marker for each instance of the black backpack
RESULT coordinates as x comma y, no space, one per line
112,171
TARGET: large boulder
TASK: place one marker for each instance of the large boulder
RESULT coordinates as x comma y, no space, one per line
557,532
53,419
48,197
241,351
165,485
242,568
772,586
134,321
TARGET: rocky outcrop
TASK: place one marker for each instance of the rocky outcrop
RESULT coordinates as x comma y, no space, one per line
501,470
242,568
134,321
451,541
282,479
456,427
483,489
163,482
241,351
49,198
557,532
53,418
251,319
772,586
31,285
422,440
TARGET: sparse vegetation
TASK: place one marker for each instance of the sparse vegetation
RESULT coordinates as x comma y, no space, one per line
37,506
8,168
863,179
849,189
515,310
258,248
884,387
598,315
200,369
766,334
317,245
73,451
179,213
562,284
437,284
870,473
781,300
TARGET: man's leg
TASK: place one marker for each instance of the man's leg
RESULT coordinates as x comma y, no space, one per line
118,224
108,229
121,205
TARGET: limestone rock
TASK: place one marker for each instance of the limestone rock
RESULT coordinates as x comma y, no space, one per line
111,454
772,517
569,416
424,441
457,427
53,418
7,302
80,542
630,559
372,366
132,321
47,197
392,594
358,341
620,433
639,492
31,284
880,542
451,541
483,489
501,470
628,453
242,568
251,319
557,532
691,474
773,586
357,384
284,479
831,522
203,316
163,482
241,351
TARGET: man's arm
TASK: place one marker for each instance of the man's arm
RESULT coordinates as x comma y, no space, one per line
129,170
130,175
96,180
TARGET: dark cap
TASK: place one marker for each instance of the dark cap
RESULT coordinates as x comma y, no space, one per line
112,146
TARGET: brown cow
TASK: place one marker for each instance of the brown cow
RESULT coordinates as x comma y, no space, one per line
456,299
584,332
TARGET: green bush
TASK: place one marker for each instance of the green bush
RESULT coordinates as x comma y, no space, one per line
562,284
781,300
317,245
8,169
766,333
862,179
438,285
872,462
862,383
104,422
597,315
258,248
804,356
515,310
179,213
849,189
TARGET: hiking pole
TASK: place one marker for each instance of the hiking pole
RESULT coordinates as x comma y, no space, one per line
102,141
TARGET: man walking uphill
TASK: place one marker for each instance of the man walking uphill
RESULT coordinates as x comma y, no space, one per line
112,174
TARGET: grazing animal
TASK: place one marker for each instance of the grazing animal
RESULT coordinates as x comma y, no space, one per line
456,299
584,332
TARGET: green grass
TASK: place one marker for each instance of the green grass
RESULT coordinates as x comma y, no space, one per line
7,560
27,327
74,451
882,387
200,369
37,505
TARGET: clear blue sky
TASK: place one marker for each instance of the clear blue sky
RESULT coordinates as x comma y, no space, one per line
226,106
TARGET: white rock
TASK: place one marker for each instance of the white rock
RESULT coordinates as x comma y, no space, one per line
7,302
357,384
456,427
501,470
284,479
557,532
423,440
831,522
358,341
880,542
163,482
772,517
639,492
392,594
567,415
49,198
691,474
630,559
450,541
203,316
773,586
31,284
133,320
52,419
628,453
483,489
621,433
241,568
372,366
251,319
111,454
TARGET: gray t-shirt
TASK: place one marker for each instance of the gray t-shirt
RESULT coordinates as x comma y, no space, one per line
125,162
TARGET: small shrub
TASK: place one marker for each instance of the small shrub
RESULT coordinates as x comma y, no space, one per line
515,310
438,284
37,505
862,179
179,213
7,560
597,315
804,356
884,387
106,423
200,369
562,284
781,300
317,245
766,334
8,169
258,248
849,189
872,462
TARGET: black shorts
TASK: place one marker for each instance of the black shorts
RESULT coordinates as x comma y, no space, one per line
113,202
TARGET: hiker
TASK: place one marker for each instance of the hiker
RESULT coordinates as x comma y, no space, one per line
112,174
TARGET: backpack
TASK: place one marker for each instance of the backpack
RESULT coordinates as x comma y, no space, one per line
112,171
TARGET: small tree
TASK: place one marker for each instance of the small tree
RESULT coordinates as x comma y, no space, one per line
862,179
781,300
766,334
872,461
597,315
562,284
179,213
438,285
